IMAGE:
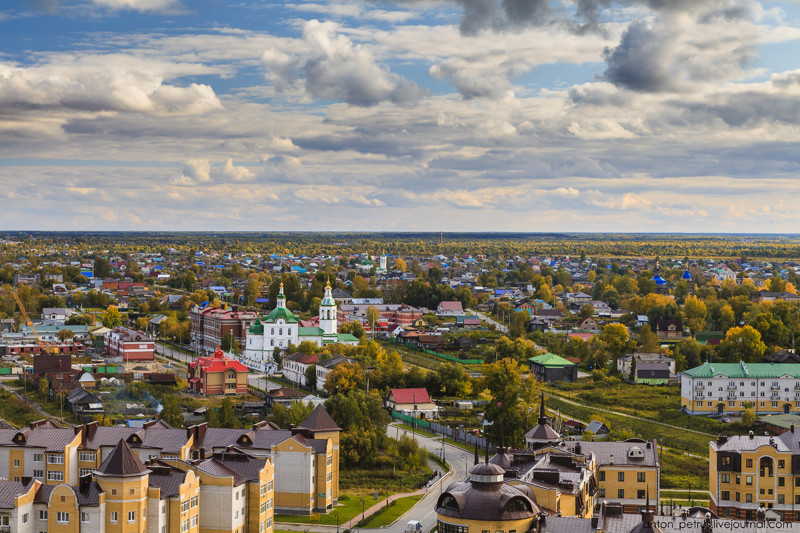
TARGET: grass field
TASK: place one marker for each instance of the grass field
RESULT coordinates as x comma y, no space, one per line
387,515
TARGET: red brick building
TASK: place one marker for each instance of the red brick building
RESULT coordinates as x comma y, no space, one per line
212,324
129,344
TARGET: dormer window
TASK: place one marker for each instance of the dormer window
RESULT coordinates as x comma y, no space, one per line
635,453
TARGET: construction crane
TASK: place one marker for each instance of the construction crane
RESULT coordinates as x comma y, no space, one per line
43,346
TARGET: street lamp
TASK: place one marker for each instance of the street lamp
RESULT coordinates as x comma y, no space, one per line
336,514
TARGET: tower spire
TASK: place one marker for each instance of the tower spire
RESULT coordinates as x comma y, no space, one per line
542,415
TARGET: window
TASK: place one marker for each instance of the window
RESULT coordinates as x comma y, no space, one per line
38,457
43,514
263,490
185,526
55,459
185,506
738,496
113,492
620,476
640,477
163,509
271,484
748,498
16,462
725,460
86,471
55,475
39,474
781,482
726,495
330,460
269,503
269,525
85,518
781,463
113,517
195,501
263,508
237,495
620,493
131,517
748,463
640,494
62,518
88,456
781,498
195,520
725,478
25,518
748,480
330,477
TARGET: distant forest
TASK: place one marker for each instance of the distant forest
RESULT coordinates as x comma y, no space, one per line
724,246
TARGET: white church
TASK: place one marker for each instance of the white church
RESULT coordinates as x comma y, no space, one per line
281,327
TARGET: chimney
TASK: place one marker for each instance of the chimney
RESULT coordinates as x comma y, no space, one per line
91,429
202,454
611,459
722,438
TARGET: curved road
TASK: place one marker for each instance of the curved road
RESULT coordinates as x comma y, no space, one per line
459,460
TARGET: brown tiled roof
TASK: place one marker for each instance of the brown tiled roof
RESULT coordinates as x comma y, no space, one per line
167,478
122,462
245,465
52,439
9,490
320,420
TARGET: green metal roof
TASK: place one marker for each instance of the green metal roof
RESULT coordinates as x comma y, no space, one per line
551,359
310,332
346,337
745,370
280,312
257,328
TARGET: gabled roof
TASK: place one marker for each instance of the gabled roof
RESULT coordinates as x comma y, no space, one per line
320,420
551,359
419,395
122,462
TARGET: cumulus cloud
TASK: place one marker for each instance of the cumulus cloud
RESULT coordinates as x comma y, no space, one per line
670,51
100,86
195,171
235,173
335,68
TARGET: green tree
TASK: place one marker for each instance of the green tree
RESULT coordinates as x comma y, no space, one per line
503,379
455,381
293,415
345,378
311,376
171,411
616,339
748,417
586,310
518,327
230,343
632,376
649,341
65,335
102,268
227,414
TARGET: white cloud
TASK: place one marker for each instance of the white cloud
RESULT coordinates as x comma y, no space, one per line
236,173
335,68
140,5
195,171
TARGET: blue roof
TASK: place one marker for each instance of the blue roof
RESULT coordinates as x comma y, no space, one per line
552,263
659,280
262,300
686,275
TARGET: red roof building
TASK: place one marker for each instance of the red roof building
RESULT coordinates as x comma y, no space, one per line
413,402
217,375
129,344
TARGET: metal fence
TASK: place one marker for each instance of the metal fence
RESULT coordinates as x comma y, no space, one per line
440,355
467,437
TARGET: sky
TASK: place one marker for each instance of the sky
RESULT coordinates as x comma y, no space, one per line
440,115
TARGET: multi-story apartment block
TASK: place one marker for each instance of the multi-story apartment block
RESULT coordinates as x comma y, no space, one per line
44,451
304,460
732,387
211,324
129,344
240,485
751,472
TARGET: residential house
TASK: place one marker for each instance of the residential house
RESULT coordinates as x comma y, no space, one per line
413,402
211,324
296,365
449,309
217,375
588,324
551,367
657,373
624,362
668,329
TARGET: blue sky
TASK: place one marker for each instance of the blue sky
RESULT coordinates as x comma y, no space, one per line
453,115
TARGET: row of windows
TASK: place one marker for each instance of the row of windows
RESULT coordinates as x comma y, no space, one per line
748,497
640,476
742,404
131,517
750,383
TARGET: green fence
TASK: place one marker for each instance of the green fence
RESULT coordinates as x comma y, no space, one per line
416,422
5,371
440,355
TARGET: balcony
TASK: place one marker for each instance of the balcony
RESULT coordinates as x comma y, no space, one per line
731,395
775,387
700,386
731,387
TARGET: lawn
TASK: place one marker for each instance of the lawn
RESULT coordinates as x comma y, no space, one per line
348,507
15,410
680,471
388,515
